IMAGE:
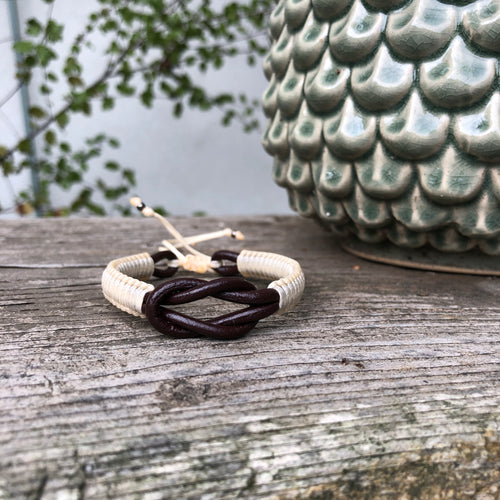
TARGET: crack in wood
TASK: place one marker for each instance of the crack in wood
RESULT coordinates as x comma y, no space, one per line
40,489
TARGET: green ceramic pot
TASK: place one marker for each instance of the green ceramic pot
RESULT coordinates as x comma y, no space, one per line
384,122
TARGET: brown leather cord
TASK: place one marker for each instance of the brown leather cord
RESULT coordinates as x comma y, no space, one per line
226,255
229,326
122,283
160,272
227,270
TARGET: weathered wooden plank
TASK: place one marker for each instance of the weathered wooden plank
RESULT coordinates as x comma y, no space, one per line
383,383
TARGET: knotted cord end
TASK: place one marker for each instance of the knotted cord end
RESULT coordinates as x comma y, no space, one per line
194,261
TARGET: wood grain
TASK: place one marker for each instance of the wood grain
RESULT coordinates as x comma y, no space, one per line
383,383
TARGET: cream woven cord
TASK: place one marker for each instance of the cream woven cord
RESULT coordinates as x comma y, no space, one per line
290,281
122,285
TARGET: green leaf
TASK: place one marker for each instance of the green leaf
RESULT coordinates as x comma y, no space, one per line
54,31
45,55
50,137
75,81
95,209
80,101
23,46
24,146
228,117
65,147
113,142
222,99
72,66
161,211
109,25
147,97
25,163
111,165
46,168
178,109
125,89
93,153
33,27
81,199
126,14
72,177
37,112
62,119
115,193
101,185
231,13
30,61
97,139
7,167
98,89
129,176
124,211
107,103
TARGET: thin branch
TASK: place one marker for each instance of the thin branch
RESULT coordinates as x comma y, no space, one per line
45,70
23,81
49,18
11,93
10,187
225,52
109,72
104,76
47,97
5,118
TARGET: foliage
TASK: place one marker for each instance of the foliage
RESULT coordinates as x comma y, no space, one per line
151,49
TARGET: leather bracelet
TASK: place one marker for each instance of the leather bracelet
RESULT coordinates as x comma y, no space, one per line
124,284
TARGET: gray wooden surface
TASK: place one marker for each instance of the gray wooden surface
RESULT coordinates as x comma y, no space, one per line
383,383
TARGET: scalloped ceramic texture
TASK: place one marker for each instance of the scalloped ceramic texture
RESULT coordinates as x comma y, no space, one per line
384,118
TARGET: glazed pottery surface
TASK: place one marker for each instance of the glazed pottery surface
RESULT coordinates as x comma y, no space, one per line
384,118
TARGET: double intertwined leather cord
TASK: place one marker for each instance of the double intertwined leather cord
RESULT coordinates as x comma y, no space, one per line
124,284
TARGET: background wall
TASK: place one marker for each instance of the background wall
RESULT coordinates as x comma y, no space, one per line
185,165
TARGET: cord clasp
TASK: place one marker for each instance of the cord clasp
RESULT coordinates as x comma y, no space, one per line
193,260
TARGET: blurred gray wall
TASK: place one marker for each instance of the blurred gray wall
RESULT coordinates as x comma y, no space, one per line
185,165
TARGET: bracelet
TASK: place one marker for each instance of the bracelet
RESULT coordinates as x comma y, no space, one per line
124,284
